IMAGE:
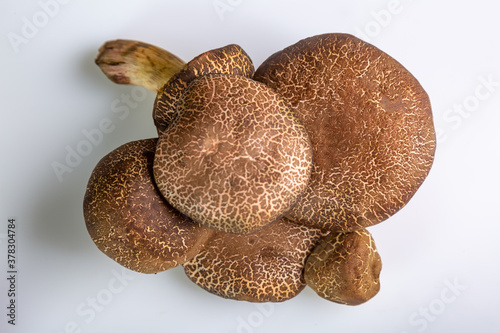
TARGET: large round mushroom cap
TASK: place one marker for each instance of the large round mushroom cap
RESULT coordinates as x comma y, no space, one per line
230,59
370,125
266,266
130,221
236,158
345,268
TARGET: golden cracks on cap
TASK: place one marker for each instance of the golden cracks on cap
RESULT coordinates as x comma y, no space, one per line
345,267
370,125
230,59
236,158
263,181
128,218
266,266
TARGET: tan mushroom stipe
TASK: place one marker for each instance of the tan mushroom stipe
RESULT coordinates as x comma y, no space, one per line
132,62
236,158
344,268
370,125
230,59
266,266
129,220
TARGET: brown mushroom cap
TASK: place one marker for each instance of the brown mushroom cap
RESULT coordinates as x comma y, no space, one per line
129,220
344,268
230,59
370,125
236,158
266,266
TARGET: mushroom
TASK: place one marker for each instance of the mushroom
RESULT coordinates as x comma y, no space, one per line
230,59
262,183
146,65
236,158
130,221
266,266
344,268
370,124
137,63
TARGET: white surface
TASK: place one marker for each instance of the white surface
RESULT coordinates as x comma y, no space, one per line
52,93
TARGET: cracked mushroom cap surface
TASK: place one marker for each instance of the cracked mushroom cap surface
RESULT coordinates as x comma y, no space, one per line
266,266
345,267
230,59
236,158
130,221
370,124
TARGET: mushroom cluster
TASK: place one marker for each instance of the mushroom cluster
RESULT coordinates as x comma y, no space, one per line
261,182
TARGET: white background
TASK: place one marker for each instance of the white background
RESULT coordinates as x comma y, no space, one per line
440,253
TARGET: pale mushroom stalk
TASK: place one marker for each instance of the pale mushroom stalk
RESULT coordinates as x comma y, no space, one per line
138,63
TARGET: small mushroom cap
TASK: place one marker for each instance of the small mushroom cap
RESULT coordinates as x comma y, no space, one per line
266,266
236,158
370,124
345,267
130,221
230,59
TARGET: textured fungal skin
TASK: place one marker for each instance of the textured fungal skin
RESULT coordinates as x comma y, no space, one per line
236,158
344,268
266,266
230,59
370,125
129,220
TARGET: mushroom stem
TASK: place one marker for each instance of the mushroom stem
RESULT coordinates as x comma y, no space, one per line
137,63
